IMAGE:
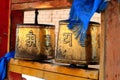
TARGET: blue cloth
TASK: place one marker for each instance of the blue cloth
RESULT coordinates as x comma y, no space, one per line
3,64
80,15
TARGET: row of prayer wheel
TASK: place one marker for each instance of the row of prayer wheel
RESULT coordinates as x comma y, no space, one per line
37,42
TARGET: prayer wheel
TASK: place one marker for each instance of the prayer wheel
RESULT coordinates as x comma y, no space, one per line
35,42
69,50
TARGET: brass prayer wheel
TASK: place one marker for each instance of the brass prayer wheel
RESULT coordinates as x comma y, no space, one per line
35,42
69,50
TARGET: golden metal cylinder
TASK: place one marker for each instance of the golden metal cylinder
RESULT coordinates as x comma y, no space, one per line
35,42
70,51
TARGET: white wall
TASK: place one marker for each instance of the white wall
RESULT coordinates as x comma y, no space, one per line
31,77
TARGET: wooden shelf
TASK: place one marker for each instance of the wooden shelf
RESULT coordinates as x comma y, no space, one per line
40,4
51,71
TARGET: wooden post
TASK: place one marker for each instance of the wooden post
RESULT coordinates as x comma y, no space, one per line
16,18
112,41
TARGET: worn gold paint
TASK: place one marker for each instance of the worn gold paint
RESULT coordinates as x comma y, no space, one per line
69,49
35,42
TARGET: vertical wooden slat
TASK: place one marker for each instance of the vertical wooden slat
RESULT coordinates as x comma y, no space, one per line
16,18
102,47
9,23
112,67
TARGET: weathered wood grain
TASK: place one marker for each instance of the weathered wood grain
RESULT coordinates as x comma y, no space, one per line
54,76
40,4
40,70
112,60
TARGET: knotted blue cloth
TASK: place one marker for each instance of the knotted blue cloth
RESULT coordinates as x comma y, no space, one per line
80,15
3,64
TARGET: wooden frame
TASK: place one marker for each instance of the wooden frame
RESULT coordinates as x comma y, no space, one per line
109,18
17,9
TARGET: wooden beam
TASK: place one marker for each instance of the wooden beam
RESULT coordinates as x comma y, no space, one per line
33,68
49,4
26,1
78,72
54,76
26,70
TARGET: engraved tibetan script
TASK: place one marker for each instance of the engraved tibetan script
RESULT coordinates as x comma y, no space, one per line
31,39
67,39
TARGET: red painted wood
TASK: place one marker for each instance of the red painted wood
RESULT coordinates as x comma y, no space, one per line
112,66
15,76
4,22
16,18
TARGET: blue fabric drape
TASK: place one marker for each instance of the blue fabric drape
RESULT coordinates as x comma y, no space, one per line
3,64
80,15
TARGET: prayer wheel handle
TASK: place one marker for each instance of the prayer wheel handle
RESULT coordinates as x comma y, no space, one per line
36,16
